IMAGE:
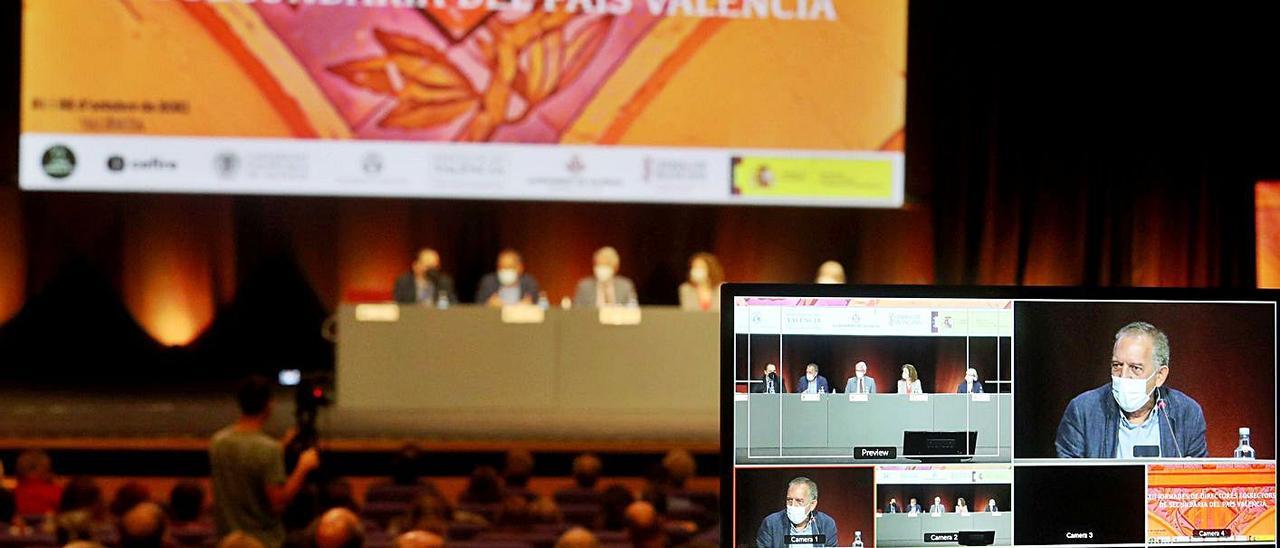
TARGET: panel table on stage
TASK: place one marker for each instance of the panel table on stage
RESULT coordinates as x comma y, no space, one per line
652,372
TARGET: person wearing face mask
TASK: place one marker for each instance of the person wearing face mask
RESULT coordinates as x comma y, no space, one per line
811,382
424,283
970,384
509,284
937,507
910,382
702,290
860,382
770,382
605,286
913,507
830,272
799,517
1135,412
892,507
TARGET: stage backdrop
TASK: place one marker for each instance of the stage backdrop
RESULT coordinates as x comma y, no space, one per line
683,101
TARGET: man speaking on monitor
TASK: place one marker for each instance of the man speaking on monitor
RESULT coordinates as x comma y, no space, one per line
799,523
1136,415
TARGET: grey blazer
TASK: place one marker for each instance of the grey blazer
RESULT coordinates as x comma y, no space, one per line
624,292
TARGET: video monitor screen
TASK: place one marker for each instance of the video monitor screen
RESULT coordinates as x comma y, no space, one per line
914,416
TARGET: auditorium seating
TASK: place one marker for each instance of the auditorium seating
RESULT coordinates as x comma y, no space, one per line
691,512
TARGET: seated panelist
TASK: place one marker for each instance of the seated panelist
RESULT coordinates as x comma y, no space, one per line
970,384
424,283
1134,415
799,517
913,507
509,284
605,287
811,382
770,382
860,383
910,382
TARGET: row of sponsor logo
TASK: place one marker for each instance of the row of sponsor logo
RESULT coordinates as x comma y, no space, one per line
942,321
59,162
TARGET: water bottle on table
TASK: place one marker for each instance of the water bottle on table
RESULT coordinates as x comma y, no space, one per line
1244,450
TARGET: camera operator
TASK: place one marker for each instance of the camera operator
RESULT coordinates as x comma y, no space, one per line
250,489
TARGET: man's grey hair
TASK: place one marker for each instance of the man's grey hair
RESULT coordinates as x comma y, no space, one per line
1160,341
813,486
813,365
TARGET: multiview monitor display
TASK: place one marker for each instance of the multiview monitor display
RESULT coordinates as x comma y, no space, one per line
905,416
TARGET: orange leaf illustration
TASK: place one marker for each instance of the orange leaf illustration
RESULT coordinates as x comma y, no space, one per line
429,90
411,115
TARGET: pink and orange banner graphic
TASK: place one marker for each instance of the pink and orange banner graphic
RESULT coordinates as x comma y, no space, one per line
644,100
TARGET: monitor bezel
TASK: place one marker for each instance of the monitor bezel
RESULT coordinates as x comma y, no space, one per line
730,291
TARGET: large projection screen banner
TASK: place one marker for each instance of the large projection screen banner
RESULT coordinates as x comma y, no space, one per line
789,102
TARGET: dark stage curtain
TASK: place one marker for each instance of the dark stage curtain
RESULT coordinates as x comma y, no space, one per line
1096,145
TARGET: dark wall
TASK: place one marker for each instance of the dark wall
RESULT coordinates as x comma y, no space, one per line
846,494
1222,355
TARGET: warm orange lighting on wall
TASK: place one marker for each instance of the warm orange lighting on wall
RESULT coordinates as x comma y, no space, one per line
13,257
1267,202
167,271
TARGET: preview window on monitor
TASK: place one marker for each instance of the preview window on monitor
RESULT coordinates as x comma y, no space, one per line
935,417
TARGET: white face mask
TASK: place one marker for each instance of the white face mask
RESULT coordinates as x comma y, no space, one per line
860,374
603,272
698,275
797,514
811,376
1131,394
507,276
